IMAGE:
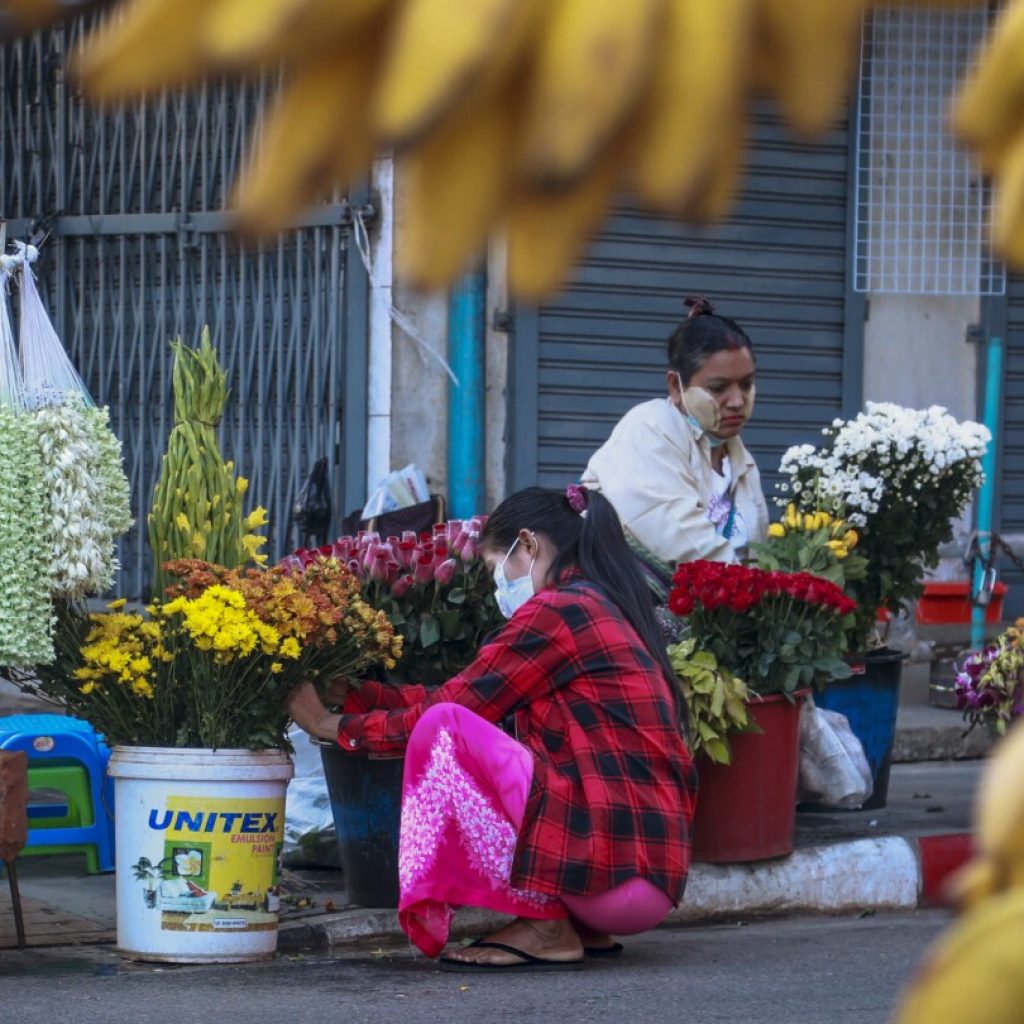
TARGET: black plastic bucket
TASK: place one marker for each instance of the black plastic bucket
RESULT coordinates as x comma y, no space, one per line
366,801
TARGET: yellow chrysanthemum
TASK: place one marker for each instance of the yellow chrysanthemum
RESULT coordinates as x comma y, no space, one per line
116,606
290,647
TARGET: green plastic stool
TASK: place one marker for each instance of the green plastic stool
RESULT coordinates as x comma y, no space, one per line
72,781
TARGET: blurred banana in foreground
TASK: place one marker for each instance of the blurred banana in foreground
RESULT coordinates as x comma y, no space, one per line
659,90
975,972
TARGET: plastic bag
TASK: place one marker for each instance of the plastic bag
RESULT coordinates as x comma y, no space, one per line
48,374
834,770
401,488
11,385
312,509
307,804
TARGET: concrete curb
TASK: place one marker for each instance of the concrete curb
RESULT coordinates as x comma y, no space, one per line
884,873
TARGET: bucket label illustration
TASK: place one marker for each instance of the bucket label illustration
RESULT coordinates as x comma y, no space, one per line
219,864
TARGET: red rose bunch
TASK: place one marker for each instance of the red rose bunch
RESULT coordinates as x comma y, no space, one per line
434,588
776,631
739,588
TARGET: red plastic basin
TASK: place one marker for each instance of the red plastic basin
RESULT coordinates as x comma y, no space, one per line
949,602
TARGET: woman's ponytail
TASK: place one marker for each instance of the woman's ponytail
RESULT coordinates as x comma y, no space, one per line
607,560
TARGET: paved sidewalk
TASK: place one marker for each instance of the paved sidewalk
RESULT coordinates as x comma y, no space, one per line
845,862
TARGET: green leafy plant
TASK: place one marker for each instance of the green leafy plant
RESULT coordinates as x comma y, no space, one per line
716,699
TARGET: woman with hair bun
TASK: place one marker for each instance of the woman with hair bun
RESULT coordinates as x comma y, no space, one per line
578,823
675,469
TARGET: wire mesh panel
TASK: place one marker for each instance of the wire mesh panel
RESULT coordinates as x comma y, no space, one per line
922,205
140,255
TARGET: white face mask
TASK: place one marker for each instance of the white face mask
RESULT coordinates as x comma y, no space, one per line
511,595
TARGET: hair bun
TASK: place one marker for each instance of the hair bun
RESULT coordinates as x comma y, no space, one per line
697,306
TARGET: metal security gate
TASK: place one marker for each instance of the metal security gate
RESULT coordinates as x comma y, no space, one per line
140,254
779,266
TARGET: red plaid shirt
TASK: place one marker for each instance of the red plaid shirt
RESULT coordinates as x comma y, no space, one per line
614,787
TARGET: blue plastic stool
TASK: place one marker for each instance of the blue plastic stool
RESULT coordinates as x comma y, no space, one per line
55,740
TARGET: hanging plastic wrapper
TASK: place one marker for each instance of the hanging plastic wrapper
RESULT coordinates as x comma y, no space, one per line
49,375
25,605
10,373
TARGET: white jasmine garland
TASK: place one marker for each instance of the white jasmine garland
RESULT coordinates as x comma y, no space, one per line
88,495
26,613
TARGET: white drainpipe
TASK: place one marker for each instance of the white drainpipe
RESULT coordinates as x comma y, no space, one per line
378,429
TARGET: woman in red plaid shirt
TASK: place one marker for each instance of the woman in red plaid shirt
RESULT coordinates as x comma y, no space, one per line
579,821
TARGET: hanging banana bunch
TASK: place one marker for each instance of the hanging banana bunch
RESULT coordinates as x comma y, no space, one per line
197,503
520,115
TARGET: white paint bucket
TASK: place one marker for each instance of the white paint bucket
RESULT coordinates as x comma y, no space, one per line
199,835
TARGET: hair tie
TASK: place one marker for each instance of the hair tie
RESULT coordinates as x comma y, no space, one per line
577,497
698,307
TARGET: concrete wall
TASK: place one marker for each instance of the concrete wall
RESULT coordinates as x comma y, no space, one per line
916,352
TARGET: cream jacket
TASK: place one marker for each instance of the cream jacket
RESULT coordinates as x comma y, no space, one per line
656,471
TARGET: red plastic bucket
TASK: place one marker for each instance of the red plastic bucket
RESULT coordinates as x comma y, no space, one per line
747,810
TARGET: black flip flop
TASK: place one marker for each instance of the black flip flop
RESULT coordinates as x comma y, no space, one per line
529,961
599,952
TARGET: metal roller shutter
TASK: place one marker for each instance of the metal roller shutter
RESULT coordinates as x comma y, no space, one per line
1010,504
778,266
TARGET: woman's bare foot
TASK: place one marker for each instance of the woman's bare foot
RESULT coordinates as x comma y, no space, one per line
549,940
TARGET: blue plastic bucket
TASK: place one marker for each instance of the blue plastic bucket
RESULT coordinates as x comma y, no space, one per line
870,699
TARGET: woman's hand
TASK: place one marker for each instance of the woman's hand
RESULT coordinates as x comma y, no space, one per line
309,714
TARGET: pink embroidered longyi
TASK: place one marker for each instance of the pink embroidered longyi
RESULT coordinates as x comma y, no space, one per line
446,795
464,794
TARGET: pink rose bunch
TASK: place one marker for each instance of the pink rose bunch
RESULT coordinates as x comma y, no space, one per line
434,588
401,563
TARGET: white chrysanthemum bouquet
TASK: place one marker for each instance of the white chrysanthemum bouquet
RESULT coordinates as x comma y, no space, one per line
901,476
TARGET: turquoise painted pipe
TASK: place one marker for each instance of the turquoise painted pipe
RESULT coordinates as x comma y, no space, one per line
467,331
986,496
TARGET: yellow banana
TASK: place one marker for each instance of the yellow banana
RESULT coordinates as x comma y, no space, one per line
155,44
593,61
320,126
975,972
990,109
807,51
1008,216
546,230
718,191
696,94
456,181
437,49
999,818
254,33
